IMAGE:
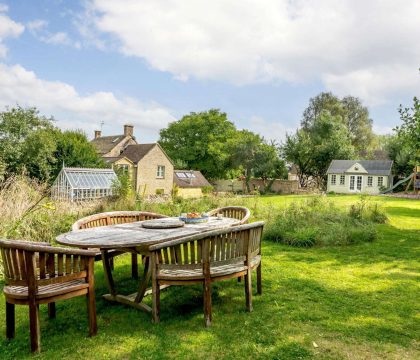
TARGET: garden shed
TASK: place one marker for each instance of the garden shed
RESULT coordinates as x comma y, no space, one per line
78,184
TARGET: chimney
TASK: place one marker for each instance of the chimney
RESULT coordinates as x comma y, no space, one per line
128,130
98,133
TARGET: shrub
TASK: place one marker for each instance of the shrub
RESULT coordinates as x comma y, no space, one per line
318,221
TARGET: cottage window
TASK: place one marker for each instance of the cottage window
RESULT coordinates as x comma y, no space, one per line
370,181
160,173
342,179
380,181
123,168
333,179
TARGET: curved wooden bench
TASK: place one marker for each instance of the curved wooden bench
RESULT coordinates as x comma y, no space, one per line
114,218
206,258
41,274
236,212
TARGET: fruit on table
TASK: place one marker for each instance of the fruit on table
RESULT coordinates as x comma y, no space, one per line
193,215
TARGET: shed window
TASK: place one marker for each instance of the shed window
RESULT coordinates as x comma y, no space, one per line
380,181
123,168
160,173
370,181
333,179
342,179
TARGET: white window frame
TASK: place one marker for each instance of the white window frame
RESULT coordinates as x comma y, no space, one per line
160,172
370,181
333,179
342,179
380,181
359,184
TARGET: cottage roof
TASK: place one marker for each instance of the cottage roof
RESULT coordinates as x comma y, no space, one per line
373,167
190,179
87,178
137,152
105,144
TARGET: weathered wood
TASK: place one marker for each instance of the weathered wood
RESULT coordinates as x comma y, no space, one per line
169,223
108,273
237,212
32,279
91,306
224,254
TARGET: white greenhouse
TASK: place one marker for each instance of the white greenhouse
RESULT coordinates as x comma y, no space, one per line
78,184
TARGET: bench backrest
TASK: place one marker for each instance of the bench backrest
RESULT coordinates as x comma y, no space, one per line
235,212
220,247
112,218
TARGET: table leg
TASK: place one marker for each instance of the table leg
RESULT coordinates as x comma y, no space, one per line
145,280
108,273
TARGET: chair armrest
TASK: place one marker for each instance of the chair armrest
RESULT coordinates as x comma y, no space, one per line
34,247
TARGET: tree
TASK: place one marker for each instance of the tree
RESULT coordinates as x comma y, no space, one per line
313,149
409,131
200,140
349,110
75,150
27,142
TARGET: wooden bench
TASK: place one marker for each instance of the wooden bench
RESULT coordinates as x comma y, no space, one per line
213,256
40,274
235,212
113,218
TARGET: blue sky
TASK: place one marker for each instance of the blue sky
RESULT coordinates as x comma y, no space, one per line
150,62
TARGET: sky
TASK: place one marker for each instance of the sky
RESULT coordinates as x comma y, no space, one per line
98,64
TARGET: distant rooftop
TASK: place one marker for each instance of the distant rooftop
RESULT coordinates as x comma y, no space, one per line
374,167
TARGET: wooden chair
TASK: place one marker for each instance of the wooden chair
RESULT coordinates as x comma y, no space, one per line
113,218
235,212
40,274
209,257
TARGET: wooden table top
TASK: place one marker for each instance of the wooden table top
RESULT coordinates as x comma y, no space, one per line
133,234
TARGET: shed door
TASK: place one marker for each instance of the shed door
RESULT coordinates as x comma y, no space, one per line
355,183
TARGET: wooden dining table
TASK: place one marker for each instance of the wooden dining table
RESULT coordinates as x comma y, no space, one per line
134,238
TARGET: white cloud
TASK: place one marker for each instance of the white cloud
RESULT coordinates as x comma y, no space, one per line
351,46
73,110
8,28
38,29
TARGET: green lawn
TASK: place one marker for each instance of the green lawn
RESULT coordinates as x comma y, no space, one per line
354,302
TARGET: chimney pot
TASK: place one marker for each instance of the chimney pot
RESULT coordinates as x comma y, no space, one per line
128,130
98,133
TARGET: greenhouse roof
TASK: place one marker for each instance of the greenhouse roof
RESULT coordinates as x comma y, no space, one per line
85,178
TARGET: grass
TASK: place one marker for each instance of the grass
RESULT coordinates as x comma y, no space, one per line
347,302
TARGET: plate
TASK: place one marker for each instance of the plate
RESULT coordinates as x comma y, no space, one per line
162,224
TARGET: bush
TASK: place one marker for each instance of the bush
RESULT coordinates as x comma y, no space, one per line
318,221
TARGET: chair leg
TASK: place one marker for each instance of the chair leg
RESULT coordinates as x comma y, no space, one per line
51,310
248,291
134,266
239,279
91,307
207,302
259,280
10,320
34,330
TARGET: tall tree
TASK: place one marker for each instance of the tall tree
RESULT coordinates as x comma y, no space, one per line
351,113
27,142
74,149
200,140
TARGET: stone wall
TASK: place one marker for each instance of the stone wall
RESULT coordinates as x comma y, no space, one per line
278,186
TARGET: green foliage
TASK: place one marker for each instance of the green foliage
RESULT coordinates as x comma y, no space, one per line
27,142
32,144
75,150
348,110
207,189
409,131
122,187
319,222
312,148
200,140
